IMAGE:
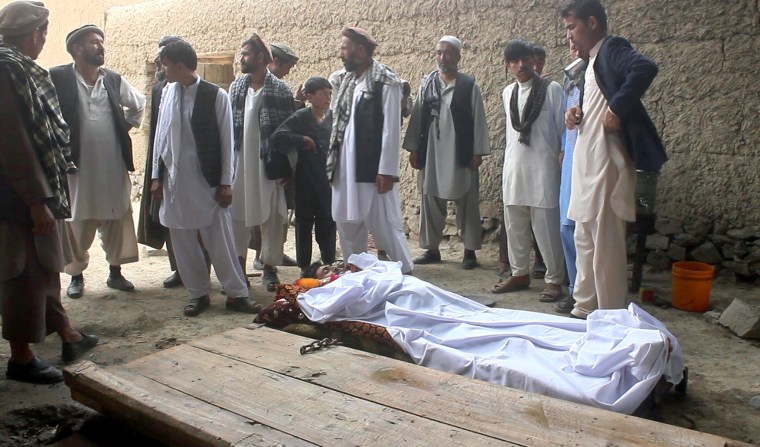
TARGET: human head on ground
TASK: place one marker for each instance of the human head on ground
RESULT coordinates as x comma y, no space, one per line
166,40
585,23
255,55
518,56
86,46
24,25
448,53
284,58
179,62
318,93
357,48
319,270
539,59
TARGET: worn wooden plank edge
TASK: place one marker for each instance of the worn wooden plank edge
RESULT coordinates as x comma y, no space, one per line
598,426
116,395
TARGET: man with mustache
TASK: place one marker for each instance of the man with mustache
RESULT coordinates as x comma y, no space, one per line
363,157
100,107
447,138
260,103
531,175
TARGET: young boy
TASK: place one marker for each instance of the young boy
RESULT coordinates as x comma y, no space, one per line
308,132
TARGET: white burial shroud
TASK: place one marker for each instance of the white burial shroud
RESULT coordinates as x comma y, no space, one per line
612,360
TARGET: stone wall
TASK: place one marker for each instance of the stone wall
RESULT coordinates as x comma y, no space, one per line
705,100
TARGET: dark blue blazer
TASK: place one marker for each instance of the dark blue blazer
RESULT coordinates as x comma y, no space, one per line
624,76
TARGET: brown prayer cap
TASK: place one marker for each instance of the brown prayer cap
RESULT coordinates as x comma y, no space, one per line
22,17
74,36
360,36
261,46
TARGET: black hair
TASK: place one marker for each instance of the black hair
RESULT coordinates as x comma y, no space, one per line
314,84
539,51
180,52
585,9
517,49
311,271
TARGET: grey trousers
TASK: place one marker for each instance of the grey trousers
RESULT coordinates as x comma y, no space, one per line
433,219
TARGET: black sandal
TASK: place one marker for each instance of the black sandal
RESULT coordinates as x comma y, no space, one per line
243,305
195,306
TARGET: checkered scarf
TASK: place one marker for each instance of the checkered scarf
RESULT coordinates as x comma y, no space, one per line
276,106
376,73
47,130
532,107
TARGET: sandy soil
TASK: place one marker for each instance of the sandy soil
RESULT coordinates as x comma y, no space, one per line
723,368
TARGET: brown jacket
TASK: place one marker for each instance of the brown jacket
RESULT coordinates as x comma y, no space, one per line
22,184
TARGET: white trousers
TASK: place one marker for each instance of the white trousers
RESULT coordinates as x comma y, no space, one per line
545,223
385,223
433,219
117,237
601,258
273,233
217,238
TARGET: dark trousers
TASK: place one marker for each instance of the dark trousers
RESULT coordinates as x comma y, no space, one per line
314,210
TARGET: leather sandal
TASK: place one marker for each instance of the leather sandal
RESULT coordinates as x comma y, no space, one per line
243,305
195,306
512,284
551,293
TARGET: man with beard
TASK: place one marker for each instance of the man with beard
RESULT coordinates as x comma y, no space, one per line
100,107
34,158
615,138
149,229
260,103
363,158
531,175
447,138
192,179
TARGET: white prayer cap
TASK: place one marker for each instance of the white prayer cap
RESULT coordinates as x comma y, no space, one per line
453,41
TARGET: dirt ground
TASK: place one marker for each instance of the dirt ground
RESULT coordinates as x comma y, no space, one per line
724,369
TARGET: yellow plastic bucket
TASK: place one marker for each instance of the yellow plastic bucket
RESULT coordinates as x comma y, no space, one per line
692,282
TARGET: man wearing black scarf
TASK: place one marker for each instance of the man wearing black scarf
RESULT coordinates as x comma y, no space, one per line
531,175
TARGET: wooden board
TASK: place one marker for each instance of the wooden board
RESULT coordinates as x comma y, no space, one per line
250,387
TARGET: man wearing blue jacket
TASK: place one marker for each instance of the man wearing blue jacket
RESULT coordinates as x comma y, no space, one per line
616,137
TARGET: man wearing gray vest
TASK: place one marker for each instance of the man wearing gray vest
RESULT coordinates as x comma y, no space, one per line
100,107
447,139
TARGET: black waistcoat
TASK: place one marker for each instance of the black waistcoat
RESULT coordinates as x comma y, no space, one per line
368,127
464,122
206,133
68,95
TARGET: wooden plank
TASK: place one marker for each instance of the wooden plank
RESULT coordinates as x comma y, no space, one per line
503,413
304,410
164,413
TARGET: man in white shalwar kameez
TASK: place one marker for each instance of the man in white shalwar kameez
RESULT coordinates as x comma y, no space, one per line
449,119
615,138
363,159
260,103
100,107
531,176
192,178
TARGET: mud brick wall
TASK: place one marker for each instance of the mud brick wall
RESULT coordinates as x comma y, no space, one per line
705,101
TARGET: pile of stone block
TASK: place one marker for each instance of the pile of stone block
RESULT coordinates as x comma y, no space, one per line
734,249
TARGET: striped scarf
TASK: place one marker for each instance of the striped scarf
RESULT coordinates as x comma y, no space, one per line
47,130
378,72
276,106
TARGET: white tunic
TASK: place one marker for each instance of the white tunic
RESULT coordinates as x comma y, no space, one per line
531,174
444,178
192,204
602,172
253,193
100,190
352,200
